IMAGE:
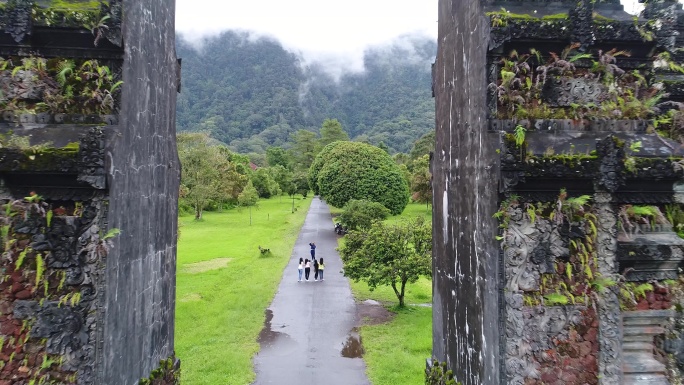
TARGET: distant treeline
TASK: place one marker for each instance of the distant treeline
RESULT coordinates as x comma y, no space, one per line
252,94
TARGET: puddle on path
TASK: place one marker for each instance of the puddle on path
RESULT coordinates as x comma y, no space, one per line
353,348
268,337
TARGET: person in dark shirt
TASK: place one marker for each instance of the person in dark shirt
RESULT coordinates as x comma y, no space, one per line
313,250
315,263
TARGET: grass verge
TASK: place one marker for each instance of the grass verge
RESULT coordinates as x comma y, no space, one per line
224,284
396,351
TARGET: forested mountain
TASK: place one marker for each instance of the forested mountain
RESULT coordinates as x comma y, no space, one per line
251,93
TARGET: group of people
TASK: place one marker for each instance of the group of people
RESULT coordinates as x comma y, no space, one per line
305,265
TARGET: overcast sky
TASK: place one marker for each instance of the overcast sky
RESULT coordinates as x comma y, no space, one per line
318,29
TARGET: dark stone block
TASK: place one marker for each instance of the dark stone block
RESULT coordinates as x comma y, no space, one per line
465,296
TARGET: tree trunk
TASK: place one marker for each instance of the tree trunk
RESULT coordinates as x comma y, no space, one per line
403,286
198,213
400,296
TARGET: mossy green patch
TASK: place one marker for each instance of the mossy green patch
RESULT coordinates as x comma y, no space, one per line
556,16
71,5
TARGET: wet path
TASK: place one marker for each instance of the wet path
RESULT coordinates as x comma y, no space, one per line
309,324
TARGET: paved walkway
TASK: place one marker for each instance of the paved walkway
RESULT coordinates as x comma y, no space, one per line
309,323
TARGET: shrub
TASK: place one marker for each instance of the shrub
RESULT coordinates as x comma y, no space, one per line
360,214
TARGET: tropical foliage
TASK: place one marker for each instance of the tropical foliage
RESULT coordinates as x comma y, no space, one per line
350,170
389,254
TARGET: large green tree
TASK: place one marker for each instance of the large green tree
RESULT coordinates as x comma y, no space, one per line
393,255
277,156
350,170
265,184
304,149
332,131
424,145
207,172
283,177
421,180
321,158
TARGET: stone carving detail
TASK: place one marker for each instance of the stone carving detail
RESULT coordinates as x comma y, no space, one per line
583,23
530,249
71,330
563,91
62,326
492,99
657,169
664,13
610,332
531,332
113,30
611,170
640,364
510,179
91,158
18,22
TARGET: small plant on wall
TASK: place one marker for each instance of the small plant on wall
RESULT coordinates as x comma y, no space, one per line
527,81
438,374
35,84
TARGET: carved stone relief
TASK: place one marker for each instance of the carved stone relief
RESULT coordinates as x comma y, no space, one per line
611,170
610,323
530,249
71,327
18,22
563,92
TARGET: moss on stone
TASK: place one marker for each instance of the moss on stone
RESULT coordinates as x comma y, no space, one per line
556,16
71,5
39,159
570,160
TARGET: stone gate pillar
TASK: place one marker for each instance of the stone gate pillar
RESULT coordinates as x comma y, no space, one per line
551,190
465,294
143,174
89,180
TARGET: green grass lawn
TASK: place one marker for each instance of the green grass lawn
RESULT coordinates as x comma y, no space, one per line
224,285
396,351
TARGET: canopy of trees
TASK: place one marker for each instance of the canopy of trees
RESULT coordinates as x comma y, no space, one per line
344,171
253,94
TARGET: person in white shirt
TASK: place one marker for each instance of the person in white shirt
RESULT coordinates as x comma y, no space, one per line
300,268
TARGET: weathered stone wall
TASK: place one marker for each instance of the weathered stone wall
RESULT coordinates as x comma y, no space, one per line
572,178
465,286
50,291
143,175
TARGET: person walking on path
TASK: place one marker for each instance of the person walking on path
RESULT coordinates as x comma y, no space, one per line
307,269
312,321
315,269
321,267
300,269
313,250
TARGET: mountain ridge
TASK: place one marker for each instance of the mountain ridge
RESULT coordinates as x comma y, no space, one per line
251,93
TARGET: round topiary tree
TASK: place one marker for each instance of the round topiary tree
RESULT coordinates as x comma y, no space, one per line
318,163
353,170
